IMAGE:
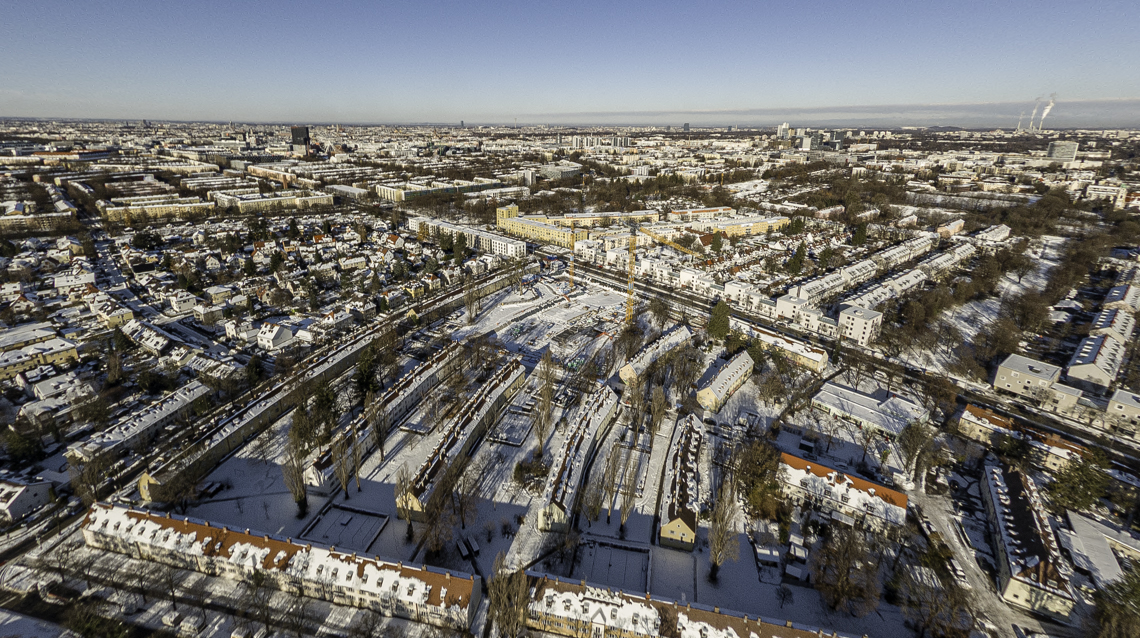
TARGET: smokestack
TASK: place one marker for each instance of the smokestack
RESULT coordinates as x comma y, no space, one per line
1048,107
1036,105
1019,118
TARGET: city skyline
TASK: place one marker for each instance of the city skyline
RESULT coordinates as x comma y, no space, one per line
609,65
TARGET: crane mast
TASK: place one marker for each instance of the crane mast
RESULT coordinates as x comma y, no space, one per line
572,246
631,299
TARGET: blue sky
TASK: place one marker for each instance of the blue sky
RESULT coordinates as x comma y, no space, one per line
743,63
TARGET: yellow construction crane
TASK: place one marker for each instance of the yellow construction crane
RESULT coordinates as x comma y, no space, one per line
631,299
572,243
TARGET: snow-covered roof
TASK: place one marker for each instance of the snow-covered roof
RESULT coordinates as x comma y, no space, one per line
729,377
1031,367
1114,320
1026,536
139,423
1102,351
1091,543
770,339
650,353
635,614
850,491
886,411
681,467
418,585
565,475
453,437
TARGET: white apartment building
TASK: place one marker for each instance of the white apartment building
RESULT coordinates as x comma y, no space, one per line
428,595
859,325
1036,381
1096,363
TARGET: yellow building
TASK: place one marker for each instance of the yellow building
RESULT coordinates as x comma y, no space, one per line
594,219
541,232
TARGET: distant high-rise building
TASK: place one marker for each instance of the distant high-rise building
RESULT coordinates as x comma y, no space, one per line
1061,150
729,129
300,135
782,131
686,127
461,125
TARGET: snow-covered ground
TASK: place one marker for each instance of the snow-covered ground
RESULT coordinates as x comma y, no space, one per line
971,317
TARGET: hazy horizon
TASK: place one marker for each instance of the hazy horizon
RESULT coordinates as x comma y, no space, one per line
592,63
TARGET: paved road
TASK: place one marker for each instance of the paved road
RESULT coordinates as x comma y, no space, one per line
986,599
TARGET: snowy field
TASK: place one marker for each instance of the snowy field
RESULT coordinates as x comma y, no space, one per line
613,565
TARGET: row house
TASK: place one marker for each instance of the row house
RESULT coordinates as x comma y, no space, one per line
419,593
457,436
566,473
680,504
1031,573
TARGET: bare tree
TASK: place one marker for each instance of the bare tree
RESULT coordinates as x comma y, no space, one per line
508,599
377,418
368,625
659,309
357,457
342,463
466,494
841,573
439,515
544,412
167,579
914,441
87,475
403,491
610,479
722,533
471,299
593,499
657,407
198,595
58,560
294,474
299,615
85,561
628,489
263,446
256,596
140,580
936,609
784,595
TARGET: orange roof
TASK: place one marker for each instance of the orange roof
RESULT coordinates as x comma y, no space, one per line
990,416
219,541
885,493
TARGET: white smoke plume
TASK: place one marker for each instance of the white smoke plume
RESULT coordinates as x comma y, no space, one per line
1048,107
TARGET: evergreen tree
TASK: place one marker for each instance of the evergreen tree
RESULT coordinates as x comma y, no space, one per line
796,263
718,322
1080,483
